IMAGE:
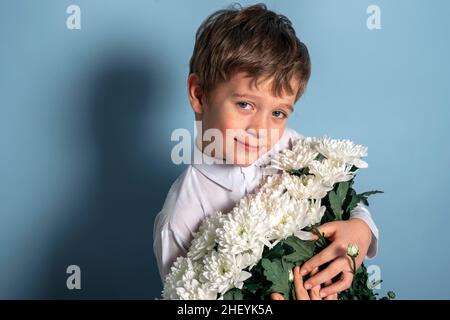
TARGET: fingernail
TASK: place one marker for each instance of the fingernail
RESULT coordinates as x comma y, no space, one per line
303,272
323,294
308,286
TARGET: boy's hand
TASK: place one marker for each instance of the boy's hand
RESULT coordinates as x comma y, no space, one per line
341,233
300,292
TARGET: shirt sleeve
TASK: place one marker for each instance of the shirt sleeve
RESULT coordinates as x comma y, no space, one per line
176,223
362,212
167,246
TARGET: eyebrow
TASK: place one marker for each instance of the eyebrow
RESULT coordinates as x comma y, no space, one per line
244,95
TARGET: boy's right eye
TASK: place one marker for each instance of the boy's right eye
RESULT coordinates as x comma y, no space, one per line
244,105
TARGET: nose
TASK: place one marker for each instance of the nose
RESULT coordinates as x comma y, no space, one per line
258,127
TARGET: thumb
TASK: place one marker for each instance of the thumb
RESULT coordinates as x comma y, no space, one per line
276,296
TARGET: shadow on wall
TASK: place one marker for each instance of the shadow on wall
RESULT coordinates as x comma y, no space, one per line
110,234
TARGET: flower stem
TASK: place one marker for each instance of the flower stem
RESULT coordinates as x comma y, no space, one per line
354,265
322,241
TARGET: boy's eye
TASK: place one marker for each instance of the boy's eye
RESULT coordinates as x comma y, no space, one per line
244,105
279,114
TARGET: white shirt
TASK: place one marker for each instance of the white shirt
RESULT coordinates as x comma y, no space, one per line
203,189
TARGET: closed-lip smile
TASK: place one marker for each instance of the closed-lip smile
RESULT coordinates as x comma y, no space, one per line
247,146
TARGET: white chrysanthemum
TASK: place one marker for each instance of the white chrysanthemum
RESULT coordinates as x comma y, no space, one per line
227,244
342,150
244,230
271,194
301,154
293,216
272,188
205,238
275,200
271,199
182,282
224,271
194,290
315,211
331,171
305,187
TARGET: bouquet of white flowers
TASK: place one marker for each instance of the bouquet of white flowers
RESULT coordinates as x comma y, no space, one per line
251,251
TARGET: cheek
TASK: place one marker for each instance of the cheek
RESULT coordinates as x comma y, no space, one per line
274,135
227,118
213,119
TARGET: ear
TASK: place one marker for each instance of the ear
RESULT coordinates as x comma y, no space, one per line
195,93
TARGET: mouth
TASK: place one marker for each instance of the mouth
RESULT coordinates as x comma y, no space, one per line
247,146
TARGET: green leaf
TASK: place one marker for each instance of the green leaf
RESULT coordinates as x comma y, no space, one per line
335,204
363,196
287,265
233,294
337,198
351,201
275,273
342,190
369,193
303,250
253,287
277,252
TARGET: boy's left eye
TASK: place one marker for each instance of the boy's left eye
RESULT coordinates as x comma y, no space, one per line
279,114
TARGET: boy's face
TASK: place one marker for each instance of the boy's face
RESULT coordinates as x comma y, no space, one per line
248,116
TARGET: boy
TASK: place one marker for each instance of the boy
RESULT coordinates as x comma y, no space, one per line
247,71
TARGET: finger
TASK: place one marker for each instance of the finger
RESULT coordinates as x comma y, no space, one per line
327,274
331,296
300,291
324,256
328,229
314,293
344,282
276,296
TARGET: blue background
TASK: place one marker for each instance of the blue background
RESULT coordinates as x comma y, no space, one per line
86,117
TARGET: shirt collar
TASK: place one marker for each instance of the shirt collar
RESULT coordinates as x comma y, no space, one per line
214,169
222,173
